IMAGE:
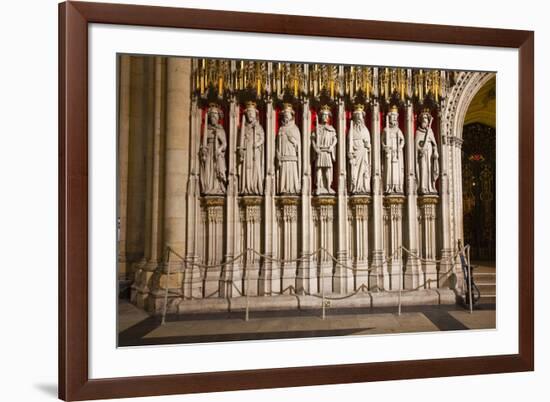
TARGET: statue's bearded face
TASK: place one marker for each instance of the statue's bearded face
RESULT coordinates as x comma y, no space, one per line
358,118
287,116
424,121
393,119
213,117
324,117
250,115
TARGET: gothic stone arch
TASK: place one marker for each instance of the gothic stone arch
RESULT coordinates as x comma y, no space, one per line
453,115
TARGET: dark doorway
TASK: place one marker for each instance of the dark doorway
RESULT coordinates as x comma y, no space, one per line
478,190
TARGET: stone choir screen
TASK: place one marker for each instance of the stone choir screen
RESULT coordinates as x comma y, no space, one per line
268,199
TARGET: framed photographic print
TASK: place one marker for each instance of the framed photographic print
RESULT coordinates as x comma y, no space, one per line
261,200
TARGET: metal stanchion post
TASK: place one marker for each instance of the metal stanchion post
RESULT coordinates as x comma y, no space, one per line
166,292
247,290
247,255
323,316
400,289
469,280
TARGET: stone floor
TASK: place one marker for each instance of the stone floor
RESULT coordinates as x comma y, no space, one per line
138,328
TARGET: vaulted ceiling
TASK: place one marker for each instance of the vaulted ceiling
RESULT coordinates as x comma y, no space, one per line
483,106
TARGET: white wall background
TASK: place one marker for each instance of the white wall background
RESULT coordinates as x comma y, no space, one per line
28,199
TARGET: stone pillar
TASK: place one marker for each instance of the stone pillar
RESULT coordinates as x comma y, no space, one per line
123,156
428,205
324,211
177,158
252,213
343,277
444,210
213,240
139,180
359,240
376,278
139,118
176,174
270,274
458,232
232,272
393,217
154,166
457,174
306,280
412,265
194,238
288,216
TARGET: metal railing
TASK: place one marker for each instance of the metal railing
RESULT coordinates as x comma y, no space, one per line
451,260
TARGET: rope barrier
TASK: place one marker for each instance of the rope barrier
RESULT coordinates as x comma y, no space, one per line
186,263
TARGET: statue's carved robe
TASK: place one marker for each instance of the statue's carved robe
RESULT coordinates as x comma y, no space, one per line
427,161
359,148
213,168
251,159
393,143
288,159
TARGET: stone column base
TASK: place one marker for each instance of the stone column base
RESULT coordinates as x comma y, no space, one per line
361,275
429,276
142,283
325,277
306,280
288,277
267,279
251,280
413,277
211,286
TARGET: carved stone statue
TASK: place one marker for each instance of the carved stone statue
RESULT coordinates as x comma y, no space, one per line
288,153
251,153
212,153
324,141
359,148
427,157
393,142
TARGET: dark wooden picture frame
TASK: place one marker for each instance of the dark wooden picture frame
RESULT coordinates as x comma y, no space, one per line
74,381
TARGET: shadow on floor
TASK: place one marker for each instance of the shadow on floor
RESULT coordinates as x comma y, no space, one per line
135,334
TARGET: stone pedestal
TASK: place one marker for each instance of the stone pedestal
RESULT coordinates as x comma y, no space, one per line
428,251
359,239
251,214
393,236
213,242
324,239
287,213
